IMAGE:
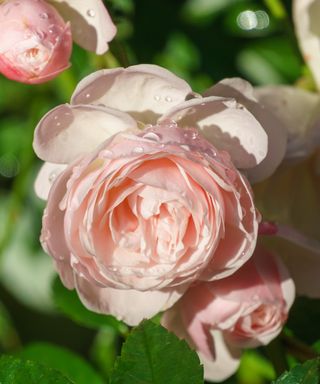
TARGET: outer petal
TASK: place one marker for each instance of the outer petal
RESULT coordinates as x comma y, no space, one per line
46,176
52,235
226,362
128,305
298,111
227,125
144,91
92,27
243,92
67,132
306,15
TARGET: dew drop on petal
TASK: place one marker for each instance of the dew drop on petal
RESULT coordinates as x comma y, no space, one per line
138,150
91,13
52,176
151,136
157,98
168,99
44,15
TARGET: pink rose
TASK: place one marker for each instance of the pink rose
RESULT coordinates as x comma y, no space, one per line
244,310
135,222
36,42
135,218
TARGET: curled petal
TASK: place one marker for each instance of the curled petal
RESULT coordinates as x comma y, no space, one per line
92,27
298,111
144,91
243,92
130,306
227,125
226,361
67,131
45,178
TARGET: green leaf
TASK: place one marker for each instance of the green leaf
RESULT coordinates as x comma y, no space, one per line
307,373
152,355
72,366
17,371
69,303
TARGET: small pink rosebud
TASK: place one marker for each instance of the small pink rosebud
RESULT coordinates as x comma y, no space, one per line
35,43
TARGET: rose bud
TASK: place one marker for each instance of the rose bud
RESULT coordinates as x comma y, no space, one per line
36,41
245,310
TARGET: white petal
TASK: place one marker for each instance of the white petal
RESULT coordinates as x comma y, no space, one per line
306,14
144,91
226,362
129,306
45,178
243,92
91,24
68,132
298,111
227,124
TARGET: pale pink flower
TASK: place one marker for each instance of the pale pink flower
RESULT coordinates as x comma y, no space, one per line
133,224
306,15
169,254
245,310
36,40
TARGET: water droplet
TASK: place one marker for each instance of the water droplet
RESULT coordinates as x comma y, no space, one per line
151,136
91,13
88,95
58,124
169,99
138,150
44,16
52,176
186,147
157,98
40,34
106,153
56,117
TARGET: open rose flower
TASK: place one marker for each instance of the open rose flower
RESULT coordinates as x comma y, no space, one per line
306,14
245,310
36,35
133,219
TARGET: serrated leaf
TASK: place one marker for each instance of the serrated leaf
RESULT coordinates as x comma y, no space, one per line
307,373
152,355
72,366
69,303
18,371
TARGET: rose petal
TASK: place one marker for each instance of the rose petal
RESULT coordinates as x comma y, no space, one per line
298,111
67,132
52,235
226,362
306,15
130,306
92,27
46,176
144,91
243,92
227,125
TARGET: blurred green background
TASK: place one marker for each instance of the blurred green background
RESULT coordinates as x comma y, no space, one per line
203,41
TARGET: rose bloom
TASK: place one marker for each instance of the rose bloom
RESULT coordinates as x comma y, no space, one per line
36,40
245,310
140,204
306,14
290,196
